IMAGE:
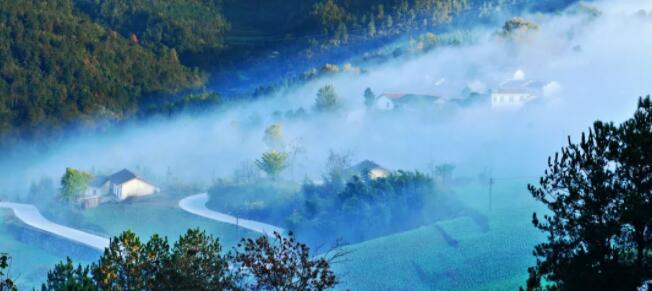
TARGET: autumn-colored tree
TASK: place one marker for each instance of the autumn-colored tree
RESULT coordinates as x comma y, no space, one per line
274,136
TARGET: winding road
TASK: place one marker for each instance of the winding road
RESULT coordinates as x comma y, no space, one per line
31,216
196,204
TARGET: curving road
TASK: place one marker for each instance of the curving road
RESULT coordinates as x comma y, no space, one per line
196,204
30,215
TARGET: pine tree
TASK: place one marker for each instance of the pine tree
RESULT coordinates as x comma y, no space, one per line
599,193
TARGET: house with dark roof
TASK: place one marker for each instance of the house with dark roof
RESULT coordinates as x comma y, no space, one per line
369,169
118,186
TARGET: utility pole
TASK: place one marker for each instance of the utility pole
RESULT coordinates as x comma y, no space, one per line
491,184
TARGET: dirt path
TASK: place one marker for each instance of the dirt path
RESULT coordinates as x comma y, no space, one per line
196,204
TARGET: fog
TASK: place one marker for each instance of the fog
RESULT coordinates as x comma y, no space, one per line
594,68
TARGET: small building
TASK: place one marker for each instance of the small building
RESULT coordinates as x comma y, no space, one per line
391,101
369,169
510,98
516,92
116,187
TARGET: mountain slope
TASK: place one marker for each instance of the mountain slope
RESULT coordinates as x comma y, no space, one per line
58,67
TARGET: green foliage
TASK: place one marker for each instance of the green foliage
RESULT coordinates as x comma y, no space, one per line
195,262
58,68
74,183
273,163
341,18
599,196
193,27
6,283
327,100
65,276
370,207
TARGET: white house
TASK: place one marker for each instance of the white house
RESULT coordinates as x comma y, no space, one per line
514,98
385,101
515,92
119,186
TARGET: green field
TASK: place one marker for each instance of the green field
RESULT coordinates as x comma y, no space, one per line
422,259
146,219
32,261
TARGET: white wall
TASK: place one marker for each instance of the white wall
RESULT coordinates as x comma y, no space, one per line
136,187
384,103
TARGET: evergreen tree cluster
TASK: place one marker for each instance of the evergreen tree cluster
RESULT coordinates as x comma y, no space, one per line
599,195
197,262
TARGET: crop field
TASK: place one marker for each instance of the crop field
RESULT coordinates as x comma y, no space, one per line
454,254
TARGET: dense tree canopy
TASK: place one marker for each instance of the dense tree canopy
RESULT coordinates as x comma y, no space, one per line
187,26
327,99
59,68
196,262
73,183
599,193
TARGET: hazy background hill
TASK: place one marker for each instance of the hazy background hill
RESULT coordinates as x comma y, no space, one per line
91,64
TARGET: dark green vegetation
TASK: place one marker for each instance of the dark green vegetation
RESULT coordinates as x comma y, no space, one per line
5,281
599,195
352,207
196,262
360,208
59,69
194,29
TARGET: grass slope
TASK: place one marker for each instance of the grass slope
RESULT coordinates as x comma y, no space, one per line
29,263
422,259
462,257
147,219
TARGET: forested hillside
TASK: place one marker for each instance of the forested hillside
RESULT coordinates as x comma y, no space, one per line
58,67
70,63
194,28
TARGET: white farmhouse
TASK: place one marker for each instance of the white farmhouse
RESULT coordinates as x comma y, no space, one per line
516,92
385,102
513,98
119,186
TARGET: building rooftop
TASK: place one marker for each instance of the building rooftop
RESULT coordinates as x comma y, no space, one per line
121,177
